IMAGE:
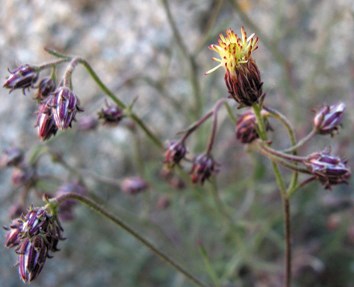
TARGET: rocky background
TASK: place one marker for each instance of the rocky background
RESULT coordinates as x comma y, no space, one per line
306,58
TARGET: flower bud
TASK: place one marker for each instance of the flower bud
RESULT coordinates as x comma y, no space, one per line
21,78
203,168
328,119
87,123
111,114
65,107
13,234
31,259
175,152
328,169
134,185
46,86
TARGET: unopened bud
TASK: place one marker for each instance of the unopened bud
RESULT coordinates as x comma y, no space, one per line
21,78
203,168
328,119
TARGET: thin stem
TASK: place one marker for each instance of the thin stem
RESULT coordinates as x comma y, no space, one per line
280,154
191,61
196,125
287,228
302,184
302,141
119,103
53,63
215,125
90,203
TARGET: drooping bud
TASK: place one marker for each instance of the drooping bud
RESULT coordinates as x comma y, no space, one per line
328,119
33,236
23,77
328,169
45,120
203,168
31,258
175,152
242,77
65,107
45,87
246,127
111,114
134,185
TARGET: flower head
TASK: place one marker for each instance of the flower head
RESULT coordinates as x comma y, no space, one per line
327,168
328,118
175,152
21,78
242,77
45,87
111,114
65,107
134,185
33,236
203,168
246,127
45,120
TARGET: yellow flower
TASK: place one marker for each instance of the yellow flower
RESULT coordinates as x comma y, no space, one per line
242,77
233,50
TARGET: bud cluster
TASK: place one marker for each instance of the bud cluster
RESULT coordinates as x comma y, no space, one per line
33,236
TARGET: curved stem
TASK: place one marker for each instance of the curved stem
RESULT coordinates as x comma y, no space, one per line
280,154
119,103
302,141
90,203
215,125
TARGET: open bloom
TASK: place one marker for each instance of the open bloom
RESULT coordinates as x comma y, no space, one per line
242,76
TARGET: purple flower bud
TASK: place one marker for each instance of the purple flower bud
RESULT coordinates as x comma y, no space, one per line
175,152
87,123
134,185
45,120
46,86
203,168
13,234
328,169
65,107
32,257
21,78
111,115
34,235
328,118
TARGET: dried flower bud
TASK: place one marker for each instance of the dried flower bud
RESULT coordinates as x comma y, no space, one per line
328,169
175,152
11,157
46,86
134,185
21,78
65,107
111,115
328,118
13,234
203,168
242,77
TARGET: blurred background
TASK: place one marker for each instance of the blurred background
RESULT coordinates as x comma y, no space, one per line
157,52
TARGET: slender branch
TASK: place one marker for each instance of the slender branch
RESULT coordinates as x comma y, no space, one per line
215,124
287,228
280,154
90,203
302,141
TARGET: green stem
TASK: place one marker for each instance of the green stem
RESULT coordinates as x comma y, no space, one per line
302,141
257,108
119,103
90,203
